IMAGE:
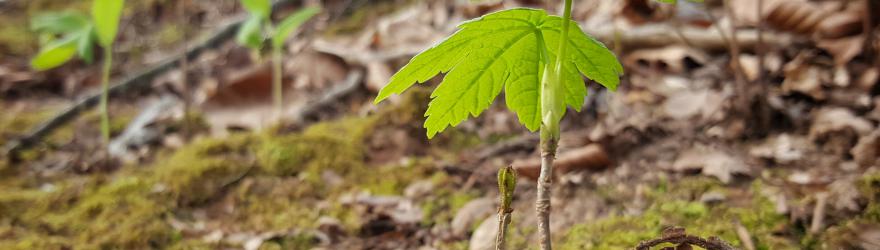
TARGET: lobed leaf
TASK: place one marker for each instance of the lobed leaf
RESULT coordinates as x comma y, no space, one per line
503,50
105,16
289,24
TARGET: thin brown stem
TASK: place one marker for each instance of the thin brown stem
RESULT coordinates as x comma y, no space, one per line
759,48
105,90
503,223
184,69
542,202
276,81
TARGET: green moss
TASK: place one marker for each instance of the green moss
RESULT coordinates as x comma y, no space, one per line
16,39
200,171
19,121
622,231
274,180
336,145
121,214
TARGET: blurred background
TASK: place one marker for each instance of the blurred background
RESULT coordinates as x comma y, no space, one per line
751,120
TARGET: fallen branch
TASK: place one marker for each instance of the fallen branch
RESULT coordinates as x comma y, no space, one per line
140,81
331,96
677,236
656,35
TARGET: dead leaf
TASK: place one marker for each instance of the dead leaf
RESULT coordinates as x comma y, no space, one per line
782,149
143,130
868,79
867,149
592,156
745,12
845,195
875,113
830,121
243,102
798,16
672,59
803,78
378,74
686,104
843,49
711,162
840,24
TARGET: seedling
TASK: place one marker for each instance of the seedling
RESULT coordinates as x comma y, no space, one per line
66,34
258,27
506,187
525,53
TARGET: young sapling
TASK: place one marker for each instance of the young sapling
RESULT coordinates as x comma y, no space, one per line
66,34
534,57
254,32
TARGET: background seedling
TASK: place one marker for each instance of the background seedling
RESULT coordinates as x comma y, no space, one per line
66,34
506,188
255,31
525,53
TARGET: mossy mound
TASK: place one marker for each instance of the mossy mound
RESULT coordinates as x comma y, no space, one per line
626,231
276,182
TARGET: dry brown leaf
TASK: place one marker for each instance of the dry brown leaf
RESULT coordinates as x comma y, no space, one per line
711,162
672,59
686,104
843,49
867,149
798,16
746,11
868,79
378,74
782,149
840,24
803,78
831,121
592,156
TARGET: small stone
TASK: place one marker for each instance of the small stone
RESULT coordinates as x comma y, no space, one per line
471,213
712,197
484,237
418,189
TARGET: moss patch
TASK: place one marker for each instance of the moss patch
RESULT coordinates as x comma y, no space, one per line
622,231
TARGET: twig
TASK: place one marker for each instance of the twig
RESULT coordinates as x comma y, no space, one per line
331,96
676,23
819,213
184,69
738,74
138,81
744,236
676,235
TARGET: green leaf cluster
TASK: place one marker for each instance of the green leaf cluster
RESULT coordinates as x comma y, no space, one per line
65,34
258,27
506,50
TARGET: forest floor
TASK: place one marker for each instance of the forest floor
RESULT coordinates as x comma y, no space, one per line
700,135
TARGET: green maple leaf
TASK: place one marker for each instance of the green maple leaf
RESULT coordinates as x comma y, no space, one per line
504,50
